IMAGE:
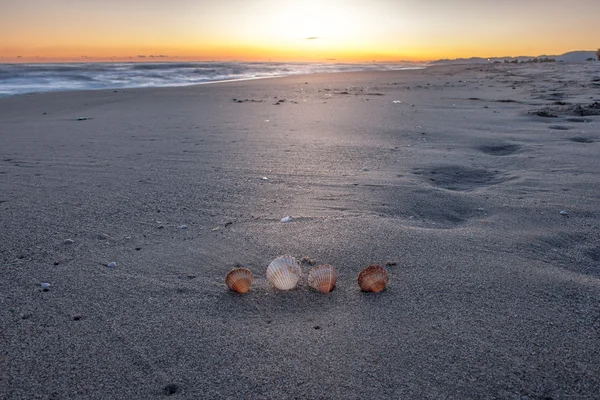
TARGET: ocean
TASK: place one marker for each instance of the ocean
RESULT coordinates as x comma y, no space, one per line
33,78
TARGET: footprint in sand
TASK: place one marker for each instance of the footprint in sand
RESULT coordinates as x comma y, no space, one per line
559,128
581,139
435,209
500,149
460,178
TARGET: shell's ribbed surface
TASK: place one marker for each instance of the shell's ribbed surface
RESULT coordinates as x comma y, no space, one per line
373,278
239,280
323,278
284,272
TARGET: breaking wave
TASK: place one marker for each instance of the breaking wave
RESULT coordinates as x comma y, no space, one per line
33,78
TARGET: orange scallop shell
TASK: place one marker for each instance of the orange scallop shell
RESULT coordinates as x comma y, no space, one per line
323,278
373,278
239,280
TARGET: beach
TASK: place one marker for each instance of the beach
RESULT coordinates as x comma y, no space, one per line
477,186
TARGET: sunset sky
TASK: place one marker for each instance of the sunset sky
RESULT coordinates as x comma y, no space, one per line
290,30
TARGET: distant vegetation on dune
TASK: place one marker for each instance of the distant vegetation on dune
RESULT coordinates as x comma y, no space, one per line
572,56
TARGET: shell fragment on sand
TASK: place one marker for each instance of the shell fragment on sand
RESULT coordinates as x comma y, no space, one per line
373,278
284,272
112,264
239,280
287,219
323,278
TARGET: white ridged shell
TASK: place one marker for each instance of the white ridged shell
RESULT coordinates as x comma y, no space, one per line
284,272
323,278
373,278
239,280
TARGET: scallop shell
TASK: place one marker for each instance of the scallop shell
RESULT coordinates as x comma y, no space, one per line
323,278
373,278
239,280
284,272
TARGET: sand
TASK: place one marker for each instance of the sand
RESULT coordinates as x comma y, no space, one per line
455,175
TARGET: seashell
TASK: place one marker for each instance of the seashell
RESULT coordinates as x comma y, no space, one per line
323,278
284,272
239,280
373,278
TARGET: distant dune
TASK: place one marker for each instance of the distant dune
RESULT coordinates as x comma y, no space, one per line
572,56
577,56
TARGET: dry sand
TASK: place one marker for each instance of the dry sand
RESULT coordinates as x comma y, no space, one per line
494,294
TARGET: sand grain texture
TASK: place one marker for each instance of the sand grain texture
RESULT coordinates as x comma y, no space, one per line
495,293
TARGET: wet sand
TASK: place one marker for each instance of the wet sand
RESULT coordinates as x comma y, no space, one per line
455,176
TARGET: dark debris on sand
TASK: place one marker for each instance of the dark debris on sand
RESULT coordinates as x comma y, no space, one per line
581,110
545,113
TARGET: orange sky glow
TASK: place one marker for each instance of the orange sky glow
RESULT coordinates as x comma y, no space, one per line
290,30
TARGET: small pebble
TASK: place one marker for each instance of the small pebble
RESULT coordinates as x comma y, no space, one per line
77,317
170,389
183,227
308,260
111,264
69,241
45,286
82,118
564,213
264,178
286,219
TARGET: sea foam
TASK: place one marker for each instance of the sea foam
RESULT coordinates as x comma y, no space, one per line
30,78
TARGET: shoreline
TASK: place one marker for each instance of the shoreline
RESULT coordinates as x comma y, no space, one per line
134,75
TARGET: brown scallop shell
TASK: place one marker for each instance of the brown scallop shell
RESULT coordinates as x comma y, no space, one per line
373,278
239,280
323,278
